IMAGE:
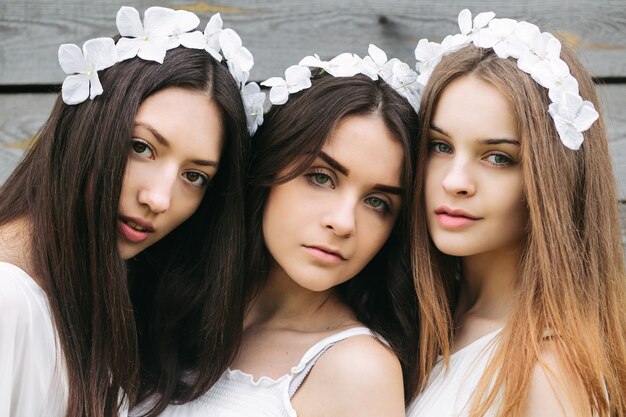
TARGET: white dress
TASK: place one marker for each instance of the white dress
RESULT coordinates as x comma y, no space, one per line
33,381
449,390
237,394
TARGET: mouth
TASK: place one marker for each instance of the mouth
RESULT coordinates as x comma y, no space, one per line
325,254
453,219
134,230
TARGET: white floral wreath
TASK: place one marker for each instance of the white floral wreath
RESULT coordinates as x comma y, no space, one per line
537,53
395,73
163,29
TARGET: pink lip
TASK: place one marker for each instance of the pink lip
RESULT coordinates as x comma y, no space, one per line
454,219
325,254
132,235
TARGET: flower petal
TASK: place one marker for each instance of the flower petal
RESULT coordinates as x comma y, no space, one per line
75,89
153,50
100,52
185,21
128,22
482,19
587,114
465,21
274,82
71,59
159,21
127,48
279,95
95,86
193,40
378,55
297,78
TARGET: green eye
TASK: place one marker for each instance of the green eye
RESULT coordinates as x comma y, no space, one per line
375,202
321,178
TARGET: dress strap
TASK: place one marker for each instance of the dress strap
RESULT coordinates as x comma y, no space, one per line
301,371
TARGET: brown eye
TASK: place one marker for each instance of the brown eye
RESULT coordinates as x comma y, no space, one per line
141,148
196,178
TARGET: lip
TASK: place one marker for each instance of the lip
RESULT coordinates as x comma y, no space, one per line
324,253
454,218
131,234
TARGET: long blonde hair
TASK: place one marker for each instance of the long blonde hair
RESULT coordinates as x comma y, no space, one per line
571,277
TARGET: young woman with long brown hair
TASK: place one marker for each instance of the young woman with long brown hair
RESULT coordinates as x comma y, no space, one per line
331,324
517,257
121,231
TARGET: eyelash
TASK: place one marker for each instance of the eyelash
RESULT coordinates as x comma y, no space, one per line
435,145
146,146
313,177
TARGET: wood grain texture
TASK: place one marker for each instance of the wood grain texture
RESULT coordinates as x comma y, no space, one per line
279,33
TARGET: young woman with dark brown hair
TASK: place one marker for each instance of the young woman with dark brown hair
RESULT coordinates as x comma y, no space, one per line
331,323
517,255
121,234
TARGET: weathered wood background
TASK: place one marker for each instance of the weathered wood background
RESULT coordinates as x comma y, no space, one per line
280,32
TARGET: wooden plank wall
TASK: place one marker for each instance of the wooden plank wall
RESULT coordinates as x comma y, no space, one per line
280,32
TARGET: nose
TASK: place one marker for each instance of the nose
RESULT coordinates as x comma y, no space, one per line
340,217
156,192
459,179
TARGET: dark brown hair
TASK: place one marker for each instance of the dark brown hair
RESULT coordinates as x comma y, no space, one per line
68,186
290,139
571,276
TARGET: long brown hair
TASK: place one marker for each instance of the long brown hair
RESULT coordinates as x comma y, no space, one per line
571,277
290,139
68,186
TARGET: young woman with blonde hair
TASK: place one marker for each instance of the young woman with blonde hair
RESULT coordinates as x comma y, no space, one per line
517,256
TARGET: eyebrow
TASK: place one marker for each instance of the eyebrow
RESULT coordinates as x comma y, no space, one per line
334,163
164,142
494,141
345,171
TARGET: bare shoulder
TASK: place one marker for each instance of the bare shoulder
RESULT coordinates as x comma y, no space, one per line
551,389
361,375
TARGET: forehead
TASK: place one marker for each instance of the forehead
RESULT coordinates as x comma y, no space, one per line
366,147
469,105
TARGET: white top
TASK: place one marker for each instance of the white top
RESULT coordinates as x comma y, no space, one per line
33,381
237,394
449,391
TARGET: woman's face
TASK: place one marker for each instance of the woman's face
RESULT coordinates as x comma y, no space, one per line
324,226
474,186
175,152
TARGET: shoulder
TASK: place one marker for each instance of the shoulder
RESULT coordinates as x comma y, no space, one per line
24,310
361,374
551,388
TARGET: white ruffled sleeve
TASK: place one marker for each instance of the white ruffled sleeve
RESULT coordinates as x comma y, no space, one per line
33,380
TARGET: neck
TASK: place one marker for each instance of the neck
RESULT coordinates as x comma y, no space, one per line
487,285
283,303
15,244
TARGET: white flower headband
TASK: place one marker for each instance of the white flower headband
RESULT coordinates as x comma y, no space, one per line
163,29
537,53
395,73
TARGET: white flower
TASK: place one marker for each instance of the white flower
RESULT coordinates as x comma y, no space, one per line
240,60
402,79
373,64
555,76
343,65
297,78
83,67
428,55
572,116
253,101
480,21
148,41
496,36
184,22
541,47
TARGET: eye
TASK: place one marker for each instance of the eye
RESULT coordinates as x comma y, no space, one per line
142,149
378,204
321,178
196,178
440,147
499,159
